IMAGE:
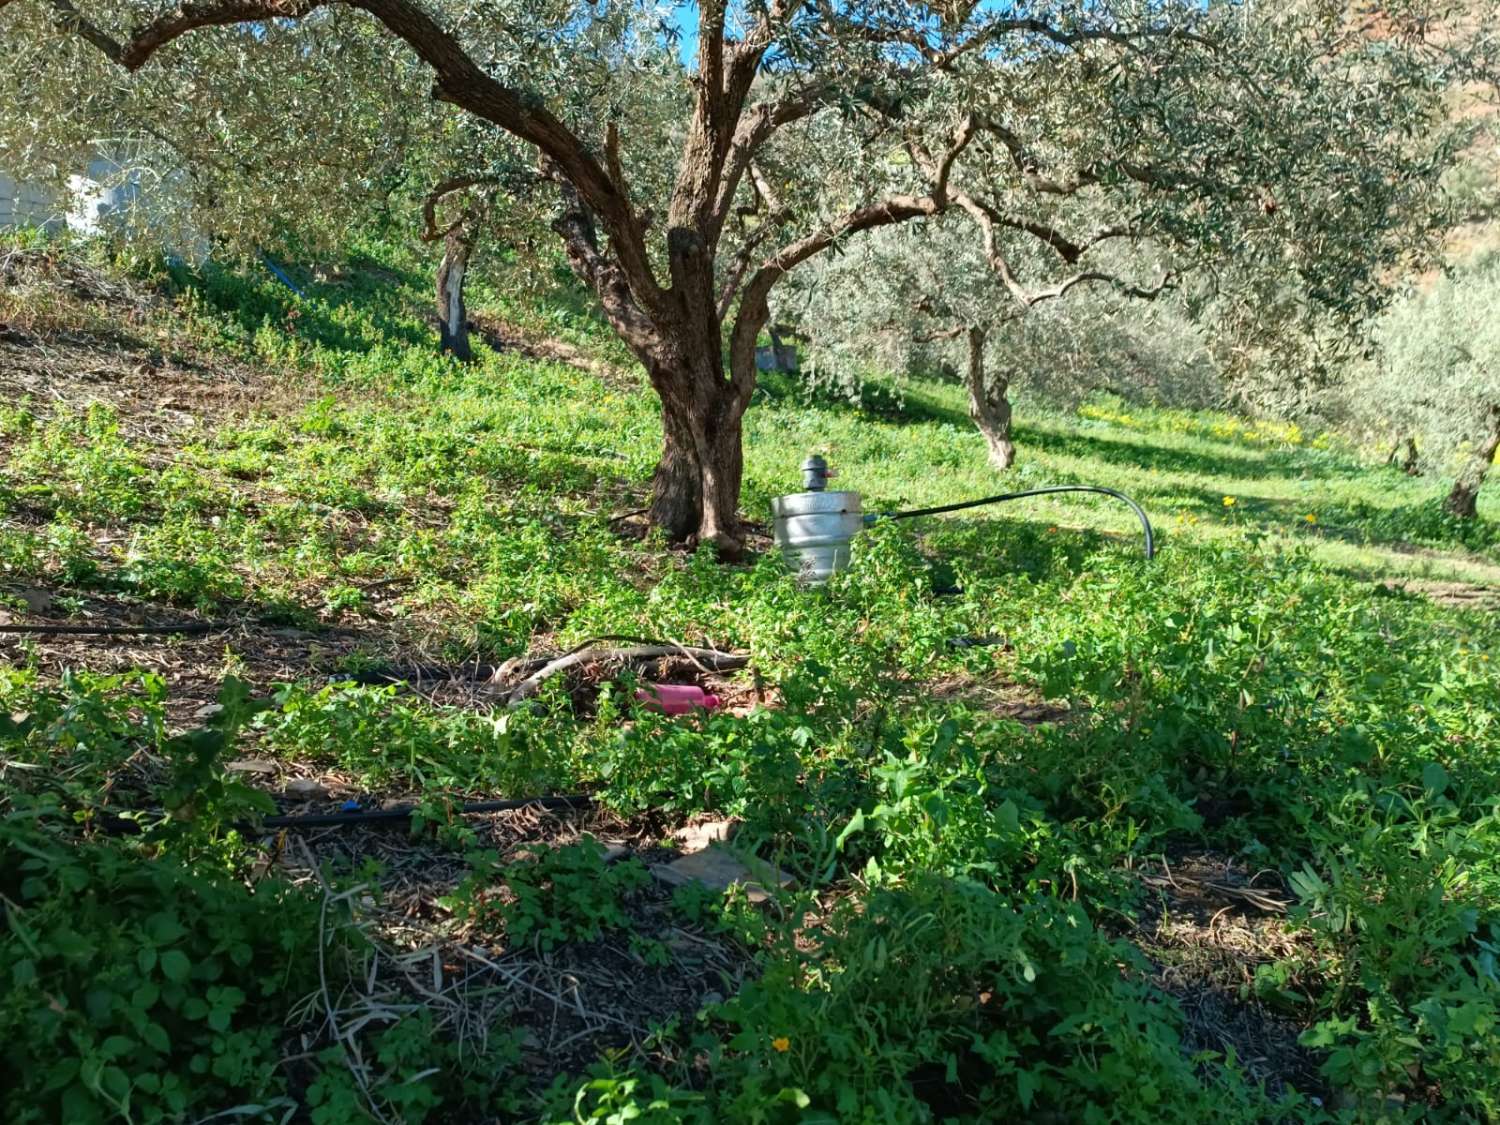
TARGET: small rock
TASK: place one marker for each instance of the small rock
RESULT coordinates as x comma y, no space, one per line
252,765
306,788
696,837
37,600
614,852
208,710
717,869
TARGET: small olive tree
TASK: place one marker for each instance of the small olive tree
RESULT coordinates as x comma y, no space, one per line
922,298
1435,372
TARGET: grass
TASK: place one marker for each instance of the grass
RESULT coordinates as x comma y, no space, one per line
1366,519
983,916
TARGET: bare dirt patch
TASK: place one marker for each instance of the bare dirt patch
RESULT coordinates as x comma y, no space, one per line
505,337
572,1002
1003,699
1455,595
192,666
159,396
74,336
1207,923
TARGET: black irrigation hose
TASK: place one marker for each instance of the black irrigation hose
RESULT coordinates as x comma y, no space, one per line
940,508
185,628
404,812
116,825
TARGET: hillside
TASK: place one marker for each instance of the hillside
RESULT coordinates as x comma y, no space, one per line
1213,830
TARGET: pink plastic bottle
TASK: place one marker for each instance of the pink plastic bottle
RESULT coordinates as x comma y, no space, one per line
676,699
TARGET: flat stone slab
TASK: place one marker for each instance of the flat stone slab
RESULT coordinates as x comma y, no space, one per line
718,869
253,765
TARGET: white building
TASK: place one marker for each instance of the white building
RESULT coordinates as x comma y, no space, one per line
29,205
105,193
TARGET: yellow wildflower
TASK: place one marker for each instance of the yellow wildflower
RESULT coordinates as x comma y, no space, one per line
1310,518
1229,501
781,1043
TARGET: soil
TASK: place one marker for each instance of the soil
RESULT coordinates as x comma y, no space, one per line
1206,924
569,1003
505,337
1458,595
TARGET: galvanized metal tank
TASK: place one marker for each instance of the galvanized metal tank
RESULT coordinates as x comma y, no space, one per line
814,528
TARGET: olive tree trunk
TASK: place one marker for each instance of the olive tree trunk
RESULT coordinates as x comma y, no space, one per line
1408,460
988,404
695,491
1463,500
674,325
453,314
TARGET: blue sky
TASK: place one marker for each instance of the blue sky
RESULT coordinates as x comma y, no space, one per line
685,18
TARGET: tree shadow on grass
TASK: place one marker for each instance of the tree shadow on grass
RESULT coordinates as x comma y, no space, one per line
987,549
1413,527
911,407
1141,454
252,301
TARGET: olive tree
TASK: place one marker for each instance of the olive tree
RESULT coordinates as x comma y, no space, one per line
802,123
294,149
921,298
1435,372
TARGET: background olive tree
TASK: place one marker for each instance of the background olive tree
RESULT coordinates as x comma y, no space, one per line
1434,372
922,299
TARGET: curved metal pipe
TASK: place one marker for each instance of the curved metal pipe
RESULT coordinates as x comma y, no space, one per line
1004,496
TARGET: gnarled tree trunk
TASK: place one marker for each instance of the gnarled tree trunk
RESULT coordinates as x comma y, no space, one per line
1463,500
459,238
1409,463
453,314
695,491
988,404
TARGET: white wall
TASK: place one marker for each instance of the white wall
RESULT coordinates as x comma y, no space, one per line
105,190
105,194
102,193
28,205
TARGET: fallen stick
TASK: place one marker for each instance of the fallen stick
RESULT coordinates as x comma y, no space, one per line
707,658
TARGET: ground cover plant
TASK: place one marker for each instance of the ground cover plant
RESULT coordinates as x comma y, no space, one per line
1255,778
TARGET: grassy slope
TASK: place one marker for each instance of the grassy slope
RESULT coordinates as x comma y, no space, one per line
1368,520
1234,697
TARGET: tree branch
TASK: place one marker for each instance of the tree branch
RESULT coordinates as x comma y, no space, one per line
768,207
71,19
459,80
191,15
894,209
754,307
441,191
1130,289
605,277
1065,248
985,33
937,335
756,126
987,220
723,135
